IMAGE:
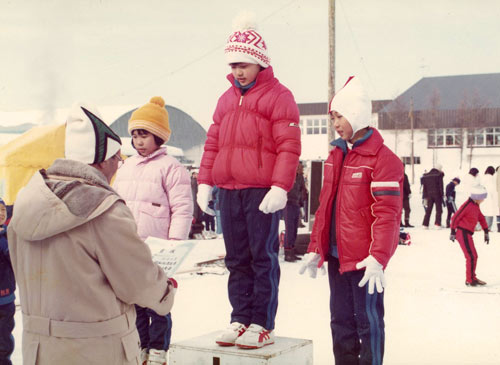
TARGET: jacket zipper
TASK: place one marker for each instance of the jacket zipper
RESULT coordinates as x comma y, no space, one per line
339,197
233,131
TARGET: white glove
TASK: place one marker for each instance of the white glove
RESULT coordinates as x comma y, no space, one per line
374,274
274,200
204,196
310,262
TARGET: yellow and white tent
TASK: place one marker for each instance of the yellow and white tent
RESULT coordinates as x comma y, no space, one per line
33,150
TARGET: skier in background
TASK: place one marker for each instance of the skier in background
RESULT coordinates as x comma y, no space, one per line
462,229
450,199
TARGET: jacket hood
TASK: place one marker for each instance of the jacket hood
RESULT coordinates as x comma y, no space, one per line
352,102
65,196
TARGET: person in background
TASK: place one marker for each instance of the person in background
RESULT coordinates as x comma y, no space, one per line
215,198
209,221
471,179
498,194
196,231
291,214
77,258
157,189
406,201
356,228
7,296
462,229
490,207
251,153
433,195
450,199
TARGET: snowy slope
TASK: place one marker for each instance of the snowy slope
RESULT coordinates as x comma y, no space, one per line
430,316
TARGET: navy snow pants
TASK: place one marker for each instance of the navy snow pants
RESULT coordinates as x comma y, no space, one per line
7,312
357,318
154,330
252,244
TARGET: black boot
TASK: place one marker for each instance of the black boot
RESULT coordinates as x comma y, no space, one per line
290,255
408,225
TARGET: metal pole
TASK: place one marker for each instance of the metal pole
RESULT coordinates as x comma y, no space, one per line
412,144
331,63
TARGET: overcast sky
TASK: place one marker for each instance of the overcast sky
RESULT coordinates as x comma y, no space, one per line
122,52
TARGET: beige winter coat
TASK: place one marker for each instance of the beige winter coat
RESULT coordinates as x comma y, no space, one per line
80,267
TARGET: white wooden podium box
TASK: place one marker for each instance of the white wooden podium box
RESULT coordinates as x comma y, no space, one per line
204,351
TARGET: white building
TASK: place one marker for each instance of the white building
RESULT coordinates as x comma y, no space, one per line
456,122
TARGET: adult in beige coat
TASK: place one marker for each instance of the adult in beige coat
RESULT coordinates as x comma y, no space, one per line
77,258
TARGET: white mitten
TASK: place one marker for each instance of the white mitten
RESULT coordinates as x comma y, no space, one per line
204,196
274,200
374,274
310,263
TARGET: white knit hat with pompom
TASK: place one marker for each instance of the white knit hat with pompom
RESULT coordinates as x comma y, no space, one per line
245,44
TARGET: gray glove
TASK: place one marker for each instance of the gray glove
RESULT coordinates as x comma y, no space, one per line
453,235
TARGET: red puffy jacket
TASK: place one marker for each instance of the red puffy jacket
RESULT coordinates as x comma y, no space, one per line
368,186
467,216
255,139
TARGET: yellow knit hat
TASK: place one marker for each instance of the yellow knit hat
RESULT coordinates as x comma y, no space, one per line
152,117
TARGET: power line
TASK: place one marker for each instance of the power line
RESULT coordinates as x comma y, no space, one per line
356,45
197,59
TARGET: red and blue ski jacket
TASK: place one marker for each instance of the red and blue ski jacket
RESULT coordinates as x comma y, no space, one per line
367,185
467,216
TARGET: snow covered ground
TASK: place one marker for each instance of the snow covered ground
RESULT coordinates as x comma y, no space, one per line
431,317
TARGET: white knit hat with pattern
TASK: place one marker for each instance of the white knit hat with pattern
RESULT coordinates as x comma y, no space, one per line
245,44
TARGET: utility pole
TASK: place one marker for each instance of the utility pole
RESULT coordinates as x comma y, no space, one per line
411,156
331,63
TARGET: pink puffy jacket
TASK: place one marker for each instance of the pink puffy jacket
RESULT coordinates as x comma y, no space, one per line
255,138
157,189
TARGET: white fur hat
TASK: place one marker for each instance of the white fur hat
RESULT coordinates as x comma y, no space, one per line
88,138
352,102
478,192
245,44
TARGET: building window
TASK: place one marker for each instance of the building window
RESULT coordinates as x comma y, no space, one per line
316,126
483,137
407,160
449,137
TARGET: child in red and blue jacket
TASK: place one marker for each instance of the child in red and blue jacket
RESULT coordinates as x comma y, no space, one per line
7,288
356,227
462,226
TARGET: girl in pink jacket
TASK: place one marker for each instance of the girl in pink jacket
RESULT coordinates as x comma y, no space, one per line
157,189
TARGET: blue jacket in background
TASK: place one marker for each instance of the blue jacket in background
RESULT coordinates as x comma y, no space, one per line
7,281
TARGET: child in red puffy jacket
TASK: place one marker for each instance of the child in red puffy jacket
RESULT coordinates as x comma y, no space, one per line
462,229
251,154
